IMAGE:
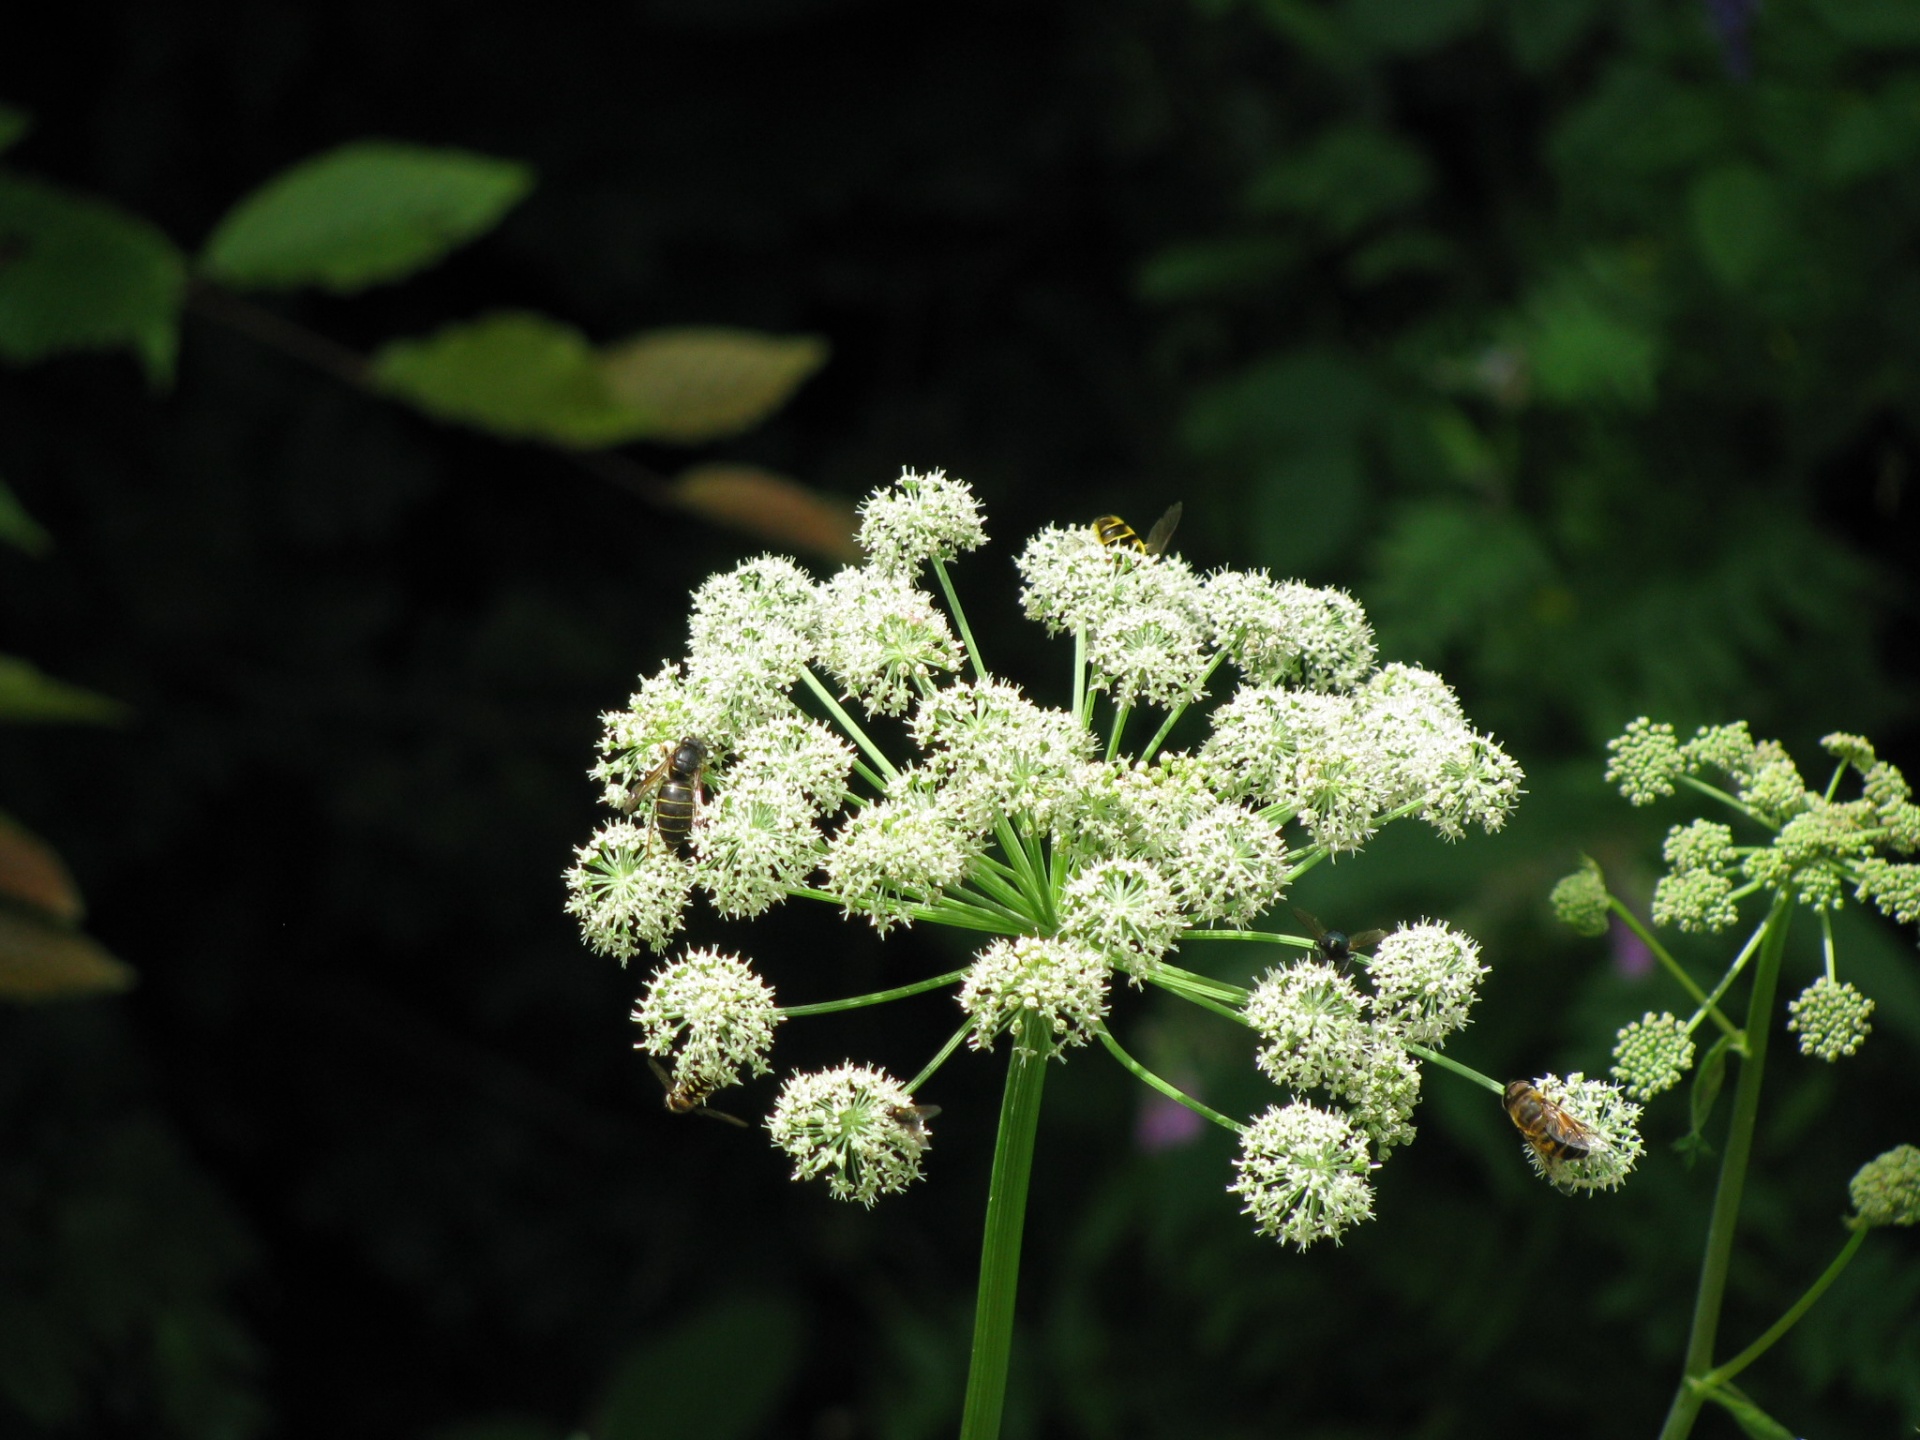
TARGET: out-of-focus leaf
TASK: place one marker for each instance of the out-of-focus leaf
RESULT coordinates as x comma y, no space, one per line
718,1375
1541,35
1583,345
1347,178
1870,135
29,695
1216,269
515,374
774,507
1451,571
498,1427
1637,121
1404,252
362,214
1739,222
705,383
78,274
33,874
1872,22
17,527
1411,26
14,124
42,960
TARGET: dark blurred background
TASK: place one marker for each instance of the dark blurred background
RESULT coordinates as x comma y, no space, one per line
1579,340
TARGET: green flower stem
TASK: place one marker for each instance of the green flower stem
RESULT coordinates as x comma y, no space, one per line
1733,1173
1080,676
960,618
1191,982
947,911
958,902
878,997
1020,859
1166,1088
1263,937
1673,966
1732,801
1733,973
1002,883
1196,996
946,1050
1120,714
1721,1374
1173,717
851,726
1447,1062
1006,1217
1826,944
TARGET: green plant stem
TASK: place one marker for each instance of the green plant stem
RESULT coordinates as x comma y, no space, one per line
1000,1246
1723,1373
1733,802
1080,676
1120,714
877,997
960,618
953,1044
1673,966
1733,1174
1203,997
849,724
1447,1062
1264,937
1173,717
1166,1088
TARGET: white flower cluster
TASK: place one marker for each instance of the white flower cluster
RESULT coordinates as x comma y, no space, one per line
1322,1032
1010,817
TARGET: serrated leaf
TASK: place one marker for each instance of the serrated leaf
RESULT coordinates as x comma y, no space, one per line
32,874
360,215
706,383
719,1374
18,528
14,124
773,507
515,374
41,960
79,274
28,695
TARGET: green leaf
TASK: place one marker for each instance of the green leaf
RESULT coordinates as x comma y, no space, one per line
40,960
1586,343
1411,26
360,215
719,1375
1872,23
1709,1076
706,383
79,274
1739,222
17,527
515,374
1347,178
14,124
1216,269
27,696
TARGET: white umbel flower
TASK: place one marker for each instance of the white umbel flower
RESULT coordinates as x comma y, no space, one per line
1059,980
1304,1175
853,1125
712,1015
921,518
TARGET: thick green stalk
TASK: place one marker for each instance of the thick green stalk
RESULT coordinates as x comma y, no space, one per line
1792,1318
1733,1175
1006,1218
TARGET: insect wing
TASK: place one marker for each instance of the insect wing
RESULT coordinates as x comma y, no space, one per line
1366,939
1161,535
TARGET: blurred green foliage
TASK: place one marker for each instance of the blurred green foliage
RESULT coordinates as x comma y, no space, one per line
1579,340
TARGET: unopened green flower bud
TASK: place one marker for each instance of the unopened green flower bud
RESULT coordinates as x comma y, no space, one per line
1652,1055
1830,1017
1646,761
1580,899
1886,1191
